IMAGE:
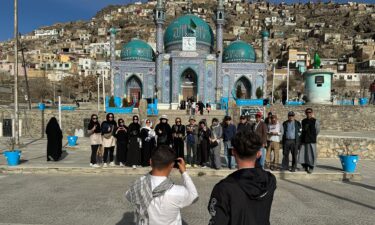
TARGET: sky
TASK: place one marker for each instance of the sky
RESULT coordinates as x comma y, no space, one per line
36,13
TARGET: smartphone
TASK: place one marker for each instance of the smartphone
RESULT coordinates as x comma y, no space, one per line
176,161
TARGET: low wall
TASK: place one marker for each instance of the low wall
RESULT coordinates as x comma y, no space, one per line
332,146
339,118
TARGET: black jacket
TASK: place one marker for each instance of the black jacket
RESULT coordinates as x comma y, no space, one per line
243,198
309,132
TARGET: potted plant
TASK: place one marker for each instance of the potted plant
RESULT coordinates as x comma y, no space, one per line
72,139
348,160
12,155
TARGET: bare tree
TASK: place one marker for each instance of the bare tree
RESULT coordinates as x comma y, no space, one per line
364,82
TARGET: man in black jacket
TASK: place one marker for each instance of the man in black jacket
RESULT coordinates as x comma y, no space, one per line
291,140
245,196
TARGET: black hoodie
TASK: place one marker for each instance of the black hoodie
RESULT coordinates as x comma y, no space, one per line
243,198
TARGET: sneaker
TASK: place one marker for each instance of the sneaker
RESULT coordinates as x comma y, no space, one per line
112,164
105,165
91,164
134,167
188,165
204,167
121,164
95,166
195,165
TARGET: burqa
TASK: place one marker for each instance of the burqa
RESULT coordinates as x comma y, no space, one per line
54,140
134,153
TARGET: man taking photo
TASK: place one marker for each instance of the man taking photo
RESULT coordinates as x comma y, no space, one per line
156,199
245,196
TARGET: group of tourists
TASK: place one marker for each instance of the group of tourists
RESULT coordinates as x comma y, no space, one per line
135,143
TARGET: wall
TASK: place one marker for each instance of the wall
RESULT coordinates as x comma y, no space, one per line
337,118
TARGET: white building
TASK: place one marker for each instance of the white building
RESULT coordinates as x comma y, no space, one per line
45,33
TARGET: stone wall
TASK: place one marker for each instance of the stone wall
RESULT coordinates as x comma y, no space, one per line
339,118
332,146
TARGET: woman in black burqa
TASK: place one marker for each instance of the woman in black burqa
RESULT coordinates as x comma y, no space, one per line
133,158
122,139
54,140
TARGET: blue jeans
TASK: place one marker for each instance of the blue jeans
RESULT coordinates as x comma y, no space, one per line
229,159
263,157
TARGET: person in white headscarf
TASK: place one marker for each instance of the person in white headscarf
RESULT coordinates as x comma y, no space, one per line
148,142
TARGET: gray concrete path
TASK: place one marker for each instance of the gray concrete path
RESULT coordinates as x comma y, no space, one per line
99,200
76,160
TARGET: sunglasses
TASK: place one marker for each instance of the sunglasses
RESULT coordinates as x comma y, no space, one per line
147,121
309,112
135,120
94,118
110,116
121,122
178,121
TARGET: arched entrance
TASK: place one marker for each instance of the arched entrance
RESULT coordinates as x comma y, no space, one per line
189,85
134,89
243,88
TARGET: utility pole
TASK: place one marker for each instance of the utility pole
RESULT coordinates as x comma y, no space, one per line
16,133
26,79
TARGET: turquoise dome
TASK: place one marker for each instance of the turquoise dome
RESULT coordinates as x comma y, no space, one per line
239,51
184,26
265,33
137,49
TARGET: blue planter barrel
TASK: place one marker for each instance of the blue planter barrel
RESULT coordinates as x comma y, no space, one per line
72,140
363,101
13,158
349,162
42,106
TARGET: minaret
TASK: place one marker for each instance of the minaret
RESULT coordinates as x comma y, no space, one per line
113,31
159,21
265,36
219,48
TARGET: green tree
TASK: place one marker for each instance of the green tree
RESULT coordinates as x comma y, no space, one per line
112,101
259,93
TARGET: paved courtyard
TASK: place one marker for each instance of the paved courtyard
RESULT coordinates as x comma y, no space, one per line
99,200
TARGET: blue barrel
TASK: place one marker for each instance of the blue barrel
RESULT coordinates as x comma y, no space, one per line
13,158
363,101
349,162
72,140
42,106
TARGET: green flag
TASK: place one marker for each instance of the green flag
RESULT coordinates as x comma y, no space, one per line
316,61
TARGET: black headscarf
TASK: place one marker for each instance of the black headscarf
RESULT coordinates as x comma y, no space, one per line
109,123
93,123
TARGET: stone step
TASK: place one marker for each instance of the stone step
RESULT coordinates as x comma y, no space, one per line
317,176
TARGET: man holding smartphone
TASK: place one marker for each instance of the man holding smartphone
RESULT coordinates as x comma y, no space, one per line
157,200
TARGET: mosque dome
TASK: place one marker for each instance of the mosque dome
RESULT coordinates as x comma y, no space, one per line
137,49
188,26
239,51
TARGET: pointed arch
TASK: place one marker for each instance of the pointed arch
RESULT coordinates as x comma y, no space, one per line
133,89
242,87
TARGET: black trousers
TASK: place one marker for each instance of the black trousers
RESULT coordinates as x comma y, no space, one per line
178,146
94,150
110,152
289,146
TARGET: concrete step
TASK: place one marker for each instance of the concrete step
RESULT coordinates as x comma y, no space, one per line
317,176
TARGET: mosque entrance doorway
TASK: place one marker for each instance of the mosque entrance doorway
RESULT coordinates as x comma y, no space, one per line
134,90
243,88
189,85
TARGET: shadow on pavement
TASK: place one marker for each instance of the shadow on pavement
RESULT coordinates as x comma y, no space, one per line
332,195
369,187
128,218
329,167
